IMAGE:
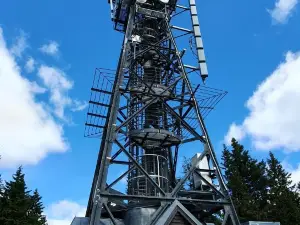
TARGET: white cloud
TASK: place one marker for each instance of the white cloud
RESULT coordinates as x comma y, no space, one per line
50,49
58,84
234,131
283,10
19,45
30,65
274,117
36,89
27,131
79,106
63,212
295,172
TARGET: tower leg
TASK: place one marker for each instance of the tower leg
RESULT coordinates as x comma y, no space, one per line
99,184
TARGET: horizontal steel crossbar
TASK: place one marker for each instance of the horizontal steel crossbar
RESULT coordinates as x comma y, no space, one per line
167,199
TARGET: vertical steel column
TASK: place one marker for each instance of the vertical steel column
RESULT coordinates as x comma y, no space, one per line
109,136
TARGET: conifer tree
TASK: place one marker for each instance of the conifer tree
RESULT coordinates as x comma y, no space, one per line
247,182
283,196
186,166
261,191
35,214
1,186
1,197
17,206
15,201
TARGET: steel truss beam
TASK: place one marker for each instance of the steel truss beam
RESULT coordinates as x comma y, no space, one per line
93,210
173,65
231,209
128,120
140,167
167,199
120,178
110,214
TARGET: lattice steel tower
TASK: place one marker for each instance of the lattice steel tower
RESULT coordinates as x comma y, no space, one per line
146,112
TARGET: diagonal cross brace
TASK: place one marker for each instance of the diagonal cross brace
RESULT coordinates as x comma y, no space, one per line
140,167
209,184
209,150
158,213
185,124
120,177
145,106
183,180
148,48
200,119
110,214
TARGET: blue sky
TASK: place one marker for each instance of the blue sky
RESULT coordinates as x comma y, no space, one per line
48,53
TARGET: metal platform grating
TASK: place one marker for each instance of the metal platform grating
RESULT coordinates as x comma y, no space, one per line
207,99
99,102
101,91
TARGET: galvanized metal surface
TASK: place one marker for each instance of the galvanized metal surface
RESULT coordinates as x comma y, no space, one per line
261,223
139,216
85,221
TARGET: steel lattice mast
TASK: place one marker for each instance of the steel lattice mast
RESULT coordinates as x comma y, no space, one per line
146,112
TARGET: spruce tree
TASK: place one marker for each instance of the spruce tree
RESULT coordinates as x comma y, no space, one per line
17,206
233,175
1,187
186,166
247,182
1,197
35,214
16,201
283,196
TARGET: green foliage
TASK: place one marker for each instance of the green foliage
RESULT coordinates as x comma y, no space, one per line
1,197
1,188
260,191
18,206
283,196
35,215
246,178
216,219
15,201
186,166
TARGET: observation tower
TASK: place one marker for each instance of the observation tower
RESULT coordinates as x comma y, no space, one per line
147,112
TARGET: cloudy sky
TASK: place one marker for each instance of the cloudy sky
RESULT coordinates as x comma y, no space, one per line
49,50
